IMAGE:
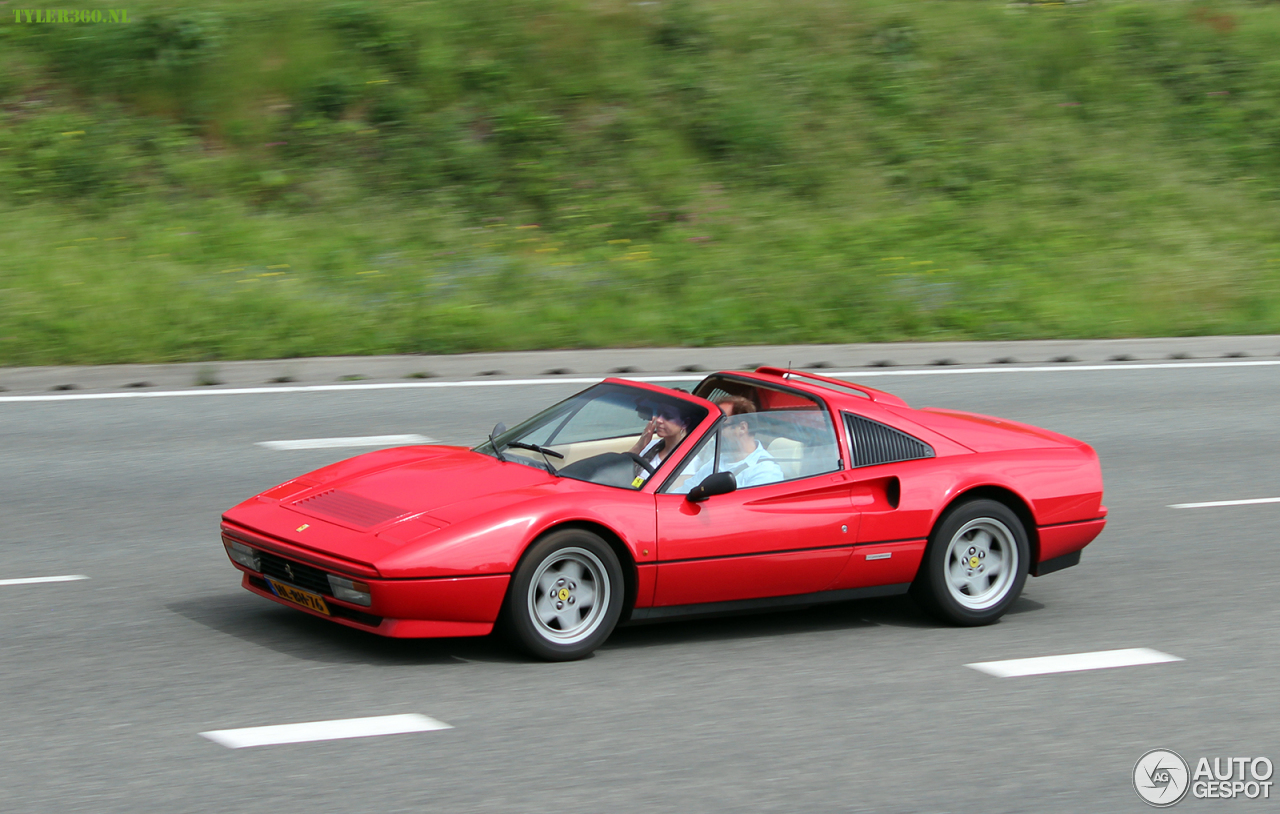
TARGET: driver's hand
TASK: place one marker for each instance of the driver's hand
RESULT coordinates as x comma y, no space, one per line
646,435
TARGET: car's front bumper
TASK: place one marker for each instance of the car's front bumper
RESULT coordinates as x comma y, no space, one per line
414,609
400,608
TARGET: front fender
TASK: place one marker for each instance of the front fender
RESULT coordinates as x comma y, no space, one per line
492,542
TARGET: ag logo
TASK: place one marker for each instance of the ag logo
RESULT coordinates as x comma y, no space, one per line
1161,778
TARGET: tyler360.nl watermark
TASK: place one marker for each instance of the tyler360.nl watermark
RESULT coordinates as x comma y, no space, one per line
1162,778
46,15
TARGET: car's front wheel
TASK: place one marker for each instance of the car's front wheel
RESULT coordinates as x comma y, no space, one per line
566,595
975,565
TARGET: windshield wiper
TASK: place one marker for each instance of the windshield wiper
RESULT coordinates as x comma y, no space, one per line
498,429
542,450
534,448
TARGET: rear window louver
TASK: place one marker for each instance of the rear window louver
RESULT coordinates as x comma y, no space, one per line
874,443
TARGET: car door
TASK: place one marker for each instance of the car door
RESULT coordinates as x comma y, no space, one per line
782,538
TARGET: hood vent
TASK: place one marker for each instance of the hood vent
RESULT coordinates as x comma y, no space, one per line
349,509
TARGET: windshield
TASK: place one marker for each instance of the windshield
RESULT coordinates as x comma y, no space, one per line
605,434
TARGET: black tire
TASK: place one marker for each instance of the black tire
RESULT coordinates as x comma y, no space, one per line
957,581
565,596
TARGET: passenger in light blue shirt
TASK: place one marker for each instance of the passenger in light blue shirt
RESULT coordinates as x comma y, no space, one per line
740,452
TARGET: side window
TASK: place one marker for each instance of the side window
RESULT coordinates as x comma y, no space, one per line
699,464
876,443
763,448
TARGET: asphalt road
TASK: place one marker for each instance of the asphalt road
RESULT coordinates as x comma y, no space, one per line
863,706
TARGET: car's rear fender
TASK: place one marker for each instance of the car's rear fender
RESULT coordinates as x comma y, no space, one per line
1058,491
1008,497
1056,485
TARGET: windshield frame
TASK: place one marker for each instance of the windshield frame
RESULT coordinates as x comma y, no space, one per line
702,414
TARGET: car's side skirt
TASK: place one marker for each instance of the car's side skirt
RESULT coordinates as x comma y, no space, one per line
661,614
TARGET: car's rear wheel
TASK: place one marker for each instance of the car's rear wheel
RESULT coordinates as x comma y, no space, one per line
975,565
566,595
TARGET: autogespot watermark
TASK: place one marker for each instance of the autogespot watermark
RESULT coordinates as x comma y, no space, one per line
45,15
1162,778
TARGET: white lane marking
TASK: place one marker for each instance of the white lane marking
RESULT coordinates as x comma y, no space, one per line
847,374
354,441
327,388
1213,503
324,730
1100,660
36,580
1058,368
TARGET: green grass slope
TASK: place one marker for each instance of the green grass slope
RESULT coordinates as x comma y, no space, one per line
278,178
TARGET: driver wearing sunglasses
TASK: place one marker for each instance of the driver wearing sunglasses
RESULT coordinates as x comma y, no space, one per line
661,435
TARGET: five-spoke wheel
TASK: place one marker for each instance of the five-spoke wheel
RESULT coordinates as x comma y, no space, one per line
566,595
975,565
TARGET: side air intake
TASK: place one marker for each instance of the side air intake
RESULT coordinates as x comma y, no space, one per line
874,443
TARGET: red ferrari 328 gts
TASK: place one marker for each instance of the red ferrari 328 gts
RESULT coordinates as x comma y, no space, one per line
800,489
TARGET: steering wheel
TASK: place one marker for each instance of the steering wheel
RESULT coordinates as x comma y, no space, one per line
648,467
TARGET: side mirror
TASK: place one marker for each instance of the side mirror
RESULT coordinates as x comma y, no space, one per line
720,483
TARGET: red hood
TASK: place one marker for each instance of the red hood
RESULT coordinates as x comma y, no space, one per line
982,433
367,507
370,499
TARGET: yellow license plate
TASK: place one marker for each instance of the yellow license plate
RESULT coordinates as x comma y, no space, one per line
298,596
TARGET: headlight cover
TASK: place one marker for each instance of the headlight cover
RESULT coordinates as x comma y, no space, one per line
242,554
350,591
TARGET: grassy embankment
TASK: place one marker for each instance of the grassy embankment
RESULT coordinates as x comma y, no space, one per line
283,178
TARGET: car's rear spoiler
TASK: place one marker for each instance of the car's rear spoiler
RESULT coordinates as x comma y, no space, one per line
878,396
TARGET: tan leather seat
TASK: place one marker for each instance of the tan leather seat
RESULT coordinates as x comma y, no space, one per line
788,453
585,449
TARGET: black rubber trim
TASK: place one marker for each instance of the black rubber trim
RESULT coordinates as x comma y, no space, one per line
886,542
767,603
359,617
1056,564
1071,523
757,554
791,551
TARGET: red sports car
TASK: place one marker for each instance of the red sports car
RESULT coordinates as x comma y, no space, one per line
631,502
